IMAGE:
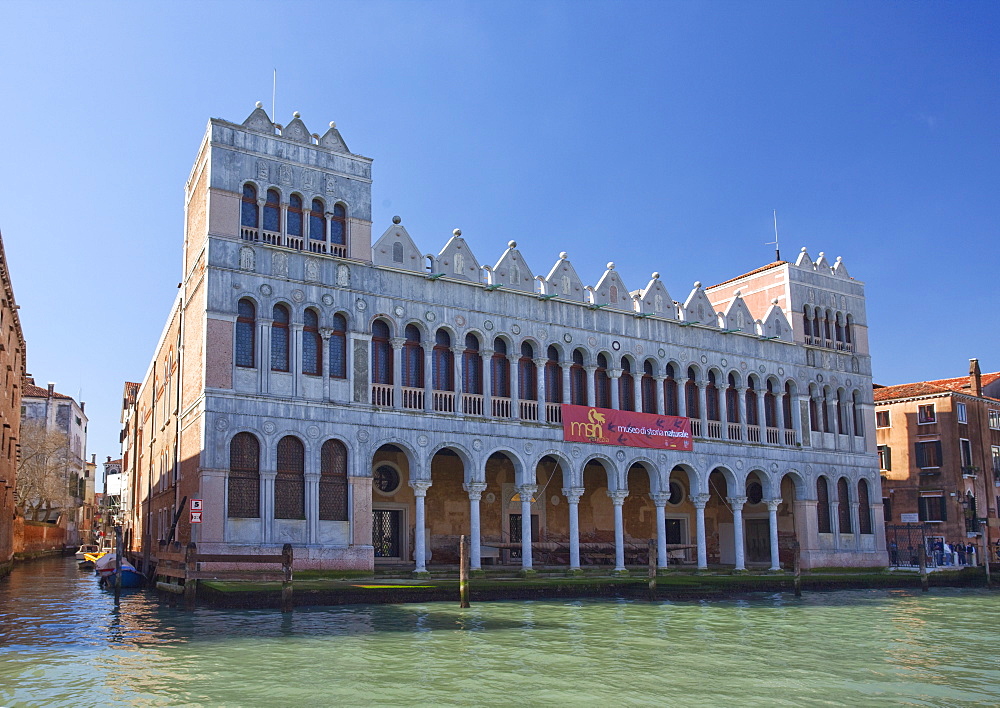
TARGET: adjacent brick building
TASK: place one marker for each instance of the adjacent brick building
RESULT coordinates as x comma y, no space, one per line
12,368
939,454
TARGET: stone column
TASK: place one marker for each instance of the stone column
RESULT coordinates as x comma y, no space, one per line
420,487
614,375
661,394
267,504
459,368
703,406
515,392
264,351
618,497
591,385
802,434
856,523
660,499
682,402
487,357
762,413
779,417
573,495
772,520
428,378
475,490
325,334
283,226
637,391
700,501
527,491
397,371
312,506
329,233
849,422
540,375
737,505
567,384
741,406
295,357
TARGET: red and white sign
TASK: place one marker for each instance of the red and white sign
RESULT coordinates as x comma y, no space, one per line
626,428
195,507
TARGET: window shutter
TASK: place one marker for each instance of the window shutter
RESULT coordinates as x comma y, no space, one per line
922,509
937,449
888,457
944,504
920,455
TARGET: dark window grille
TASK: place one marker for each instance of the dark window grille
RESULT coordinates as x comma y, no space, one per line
295,215
472,366
770,407
338,348
626,387
553,377
786,406
823,523
732,401
386,533
333,482
602,383
864,507
500,370
338,225
750,402
312,345
381,353
244,477
317,221
279,338
647,386
527,374
712,398
289,482
844,506
413,358
246,334
671,404
272,211
691,395
443,362
578,380
248,207
813,415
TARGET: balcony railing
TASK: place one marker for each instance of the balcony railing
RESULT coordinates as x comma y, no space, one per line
970,471
773,436
529,410
735,431
790,438
715,429
753,433
553,413
501,407
472,403
296,243
382,395
443,401
413,398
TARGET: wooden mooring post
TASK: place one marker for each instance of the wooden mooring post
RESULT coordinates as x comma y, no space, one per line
190,581
797,568
652,568
463,573
287,602
922,555
118,564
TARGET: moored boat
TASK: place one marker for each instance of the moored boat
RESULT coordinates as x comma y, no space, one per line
86,548
130,577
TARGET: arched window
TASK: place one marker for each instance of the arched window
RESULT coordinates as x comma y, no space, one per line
648,388
578,380
827,423
272,211
786,406
295,215
626,387
844,506
750,403
770,407
397,252
338,347
613,294
732,401
859,419
413,358
290,481
333,481
317,221
849,332
312,344
712,398
827,333
602,384
249,213
807,322
841,421
472,366
671,404
839,325
553,377
279,338
244,477
864,508
527,374
691,395
338,225
823,507
246,333
443,362
500,370
381,353
814,420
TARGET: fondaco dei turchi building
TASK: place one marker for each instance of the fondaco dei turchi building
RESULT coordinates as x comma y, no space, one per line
369,402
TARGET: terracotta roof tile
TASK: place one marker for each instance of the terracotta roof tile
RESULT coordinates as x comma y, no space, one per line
32,391
927,388
753,272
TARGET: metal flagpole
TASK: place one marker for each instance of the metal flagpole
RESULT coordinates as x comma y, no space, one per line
274,90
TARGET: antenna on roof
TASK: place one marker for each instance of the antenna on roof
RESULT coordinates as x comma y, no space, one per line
777,249
274,90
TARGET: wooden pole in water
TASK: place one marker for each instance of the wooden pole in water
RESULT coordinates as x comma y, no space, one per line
118,564
922,555
190,582
463,573
652,568
286,585
797,567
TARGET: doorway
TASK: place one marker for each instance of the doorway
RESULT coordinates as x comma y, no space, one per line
386,533
758,540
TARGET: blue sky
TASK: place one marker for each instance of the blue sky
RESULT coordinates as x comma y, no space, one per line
657,135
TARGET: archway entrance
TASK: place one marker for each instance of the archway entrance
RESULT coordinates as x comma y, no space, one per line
392,506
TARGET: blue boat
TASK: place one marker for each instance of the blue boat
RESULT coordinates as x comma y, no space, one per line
131,578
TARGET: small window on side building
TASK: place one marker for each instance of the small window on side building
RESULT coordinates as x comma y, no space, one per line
962,413
926,414
881,419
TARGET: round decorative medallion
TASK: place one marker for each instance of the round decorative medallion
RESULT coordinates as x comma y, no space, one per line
515,329
639,349
809,469
833,380
422,440
298,295
477,444
385,479
269,427
739,464
237,286
567,338
528,447
542,335
488,325
781,371
460,320
743,366
490,497
575,452
819,377
430,316
554,500
363,435
327,299
313,431
222,424
661,352
265,289
620,455
762,368
725,362
704,359
774,466
616,345
663,459
398,309
847,382
592,341
361,305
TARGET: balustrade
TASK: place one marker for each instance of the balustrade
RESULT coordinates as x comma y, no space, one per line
714,429
553,413
695,427
271,237
735,433
472,403
529,410
413,398
501,407
249,234
773,436
382,395
443,401
753,433
790,438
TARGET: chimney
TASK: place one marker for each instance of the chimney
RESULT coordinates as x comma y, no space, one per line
52,388
975,378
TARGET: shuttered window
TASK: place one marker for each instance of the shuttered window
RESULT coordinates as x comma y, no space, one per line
333,482
244,477
823,524
928,454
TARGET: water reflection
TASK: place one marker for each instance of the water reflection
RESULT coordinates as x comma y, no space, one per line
62,642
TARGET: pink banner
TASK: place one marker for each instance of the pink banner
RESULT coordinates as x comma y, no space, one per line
625,428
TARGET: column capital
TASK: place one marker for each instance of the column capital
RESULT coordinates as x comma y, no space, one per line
420,487
397,343
742,390
614,373
457,350
573,494
325,333
772,504
475,490
590,369
527,490
618,496
737,502
486,353
700,501
661,498
701,384
659,378
540,361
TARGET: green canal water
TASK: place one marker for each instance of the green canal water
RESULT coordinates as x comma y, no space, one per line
63,644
